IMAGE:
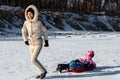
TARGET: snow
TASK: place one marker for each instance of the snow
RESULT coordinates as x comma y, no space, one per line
103,19
67,27
8,7
15,61
102,3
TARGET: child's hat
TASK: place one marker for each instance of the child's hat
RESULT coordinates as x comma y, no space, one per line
90,53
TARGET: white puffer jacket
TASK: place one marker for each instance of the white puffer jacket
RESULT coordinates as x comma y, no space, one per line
34,28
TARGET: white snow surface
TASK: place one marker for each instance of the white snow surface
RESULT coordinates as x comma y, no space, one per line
15,61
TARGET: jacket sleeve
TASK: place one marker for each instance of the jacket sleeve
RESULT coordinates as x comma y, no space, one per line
93,63
45,32
24,32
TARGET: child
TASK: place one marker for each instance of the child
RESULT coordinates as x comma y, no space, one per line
79,65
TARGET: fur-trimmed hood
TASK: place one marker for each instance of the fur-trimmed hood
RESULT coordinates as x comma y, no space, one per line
35,13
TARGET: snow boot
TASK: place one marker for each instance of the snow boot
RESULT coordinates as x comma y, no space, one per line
61,67
38,76
41,76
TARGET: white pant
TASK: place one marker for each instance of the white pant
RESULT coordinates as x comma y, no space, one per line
34,52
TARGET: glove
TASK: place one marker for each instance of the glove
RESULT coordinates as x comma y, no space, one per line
46,43
26,42
77,60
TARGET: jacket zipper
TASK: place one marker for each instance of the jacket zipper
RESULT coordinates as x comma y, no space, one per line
32,34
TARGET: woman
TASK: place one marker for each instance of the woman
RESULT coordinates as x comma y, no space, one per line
34,27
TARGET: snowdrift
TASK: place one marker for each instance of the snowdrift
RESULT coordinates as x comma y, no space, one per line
12,18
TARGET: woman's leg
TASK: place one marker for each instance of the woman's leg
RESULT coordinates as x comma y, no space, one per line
34,51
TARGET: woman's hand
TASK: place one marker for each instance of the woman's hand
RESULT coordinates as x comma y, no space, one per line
46,43
26,42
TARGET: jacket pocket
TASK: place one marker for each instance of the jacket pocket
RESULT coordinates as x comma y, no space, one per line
38,41
30,41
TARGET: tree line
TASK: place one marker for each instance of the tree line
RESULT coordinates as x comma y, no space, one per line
87,6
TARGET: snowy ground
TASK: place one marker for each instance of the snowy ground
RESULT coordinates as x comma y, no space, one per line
15,61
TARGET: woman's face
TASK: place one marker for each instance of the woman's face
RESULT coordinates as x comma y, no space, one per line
30,15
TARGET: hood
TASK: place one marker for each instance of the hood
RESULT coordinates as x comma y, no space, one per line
90,53
35,11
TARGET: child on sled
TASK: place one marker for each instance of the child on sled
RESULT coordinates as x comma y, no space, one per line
84,63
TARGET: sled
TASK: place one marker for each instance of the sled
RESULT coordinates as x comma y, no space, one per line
81,69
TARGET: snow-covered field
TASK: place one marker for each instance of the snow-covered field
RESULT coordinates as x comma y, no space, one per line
15,61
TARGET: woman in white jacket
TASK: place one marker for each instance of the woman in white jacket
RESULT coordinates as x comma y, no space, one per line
31,30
